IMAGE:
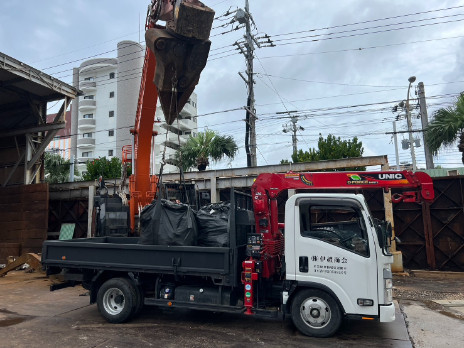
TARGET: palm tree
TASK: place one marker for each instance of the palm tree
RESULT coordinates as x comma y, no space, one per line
205,146
56,168
446,127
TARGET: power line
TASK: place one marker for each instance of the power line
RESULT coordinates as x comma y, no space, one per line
374,27
372,20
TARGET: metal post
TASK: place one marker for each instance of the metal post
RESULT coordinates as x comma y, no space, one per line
408,114
425,122
90,211
397,265
428,234
395,139
214,194
27,158
71,170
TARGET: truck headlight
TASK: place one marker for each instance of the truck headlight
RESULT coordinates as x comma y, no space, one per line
388,283
388,296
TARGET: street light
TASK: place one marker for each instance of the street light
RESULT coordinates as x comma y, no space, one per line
408,115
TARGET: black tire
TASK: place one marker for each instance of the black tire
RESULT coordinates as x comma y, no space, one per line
315,313
116,300
139,300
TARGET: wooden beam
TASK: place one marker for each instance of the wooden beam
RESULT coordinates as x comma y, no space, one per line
43,128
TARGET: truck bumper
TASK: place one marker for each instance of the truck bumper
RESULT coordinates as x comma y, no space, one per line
387,312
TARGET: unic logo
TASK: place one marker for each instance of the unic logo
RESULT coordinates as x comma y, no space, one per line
385,176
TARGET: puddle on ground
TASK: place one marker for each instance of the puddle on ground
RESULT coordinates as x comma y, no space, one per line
11,318
6,311
11,322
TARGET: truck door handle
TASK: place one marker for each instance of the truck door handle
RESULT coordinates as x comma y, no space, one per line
304,264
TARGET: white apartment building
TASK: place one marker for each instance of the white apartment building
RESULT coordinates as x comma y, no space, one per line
103,116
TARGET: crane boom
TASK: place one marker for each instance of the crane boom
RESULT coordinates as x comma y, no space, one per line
417,187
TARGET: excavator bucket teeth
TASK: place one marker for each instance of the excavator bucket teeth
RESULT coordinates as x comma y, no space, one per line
179,63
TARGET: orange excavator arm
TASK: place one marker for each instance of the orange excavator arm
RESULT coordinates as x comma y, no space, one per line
174,58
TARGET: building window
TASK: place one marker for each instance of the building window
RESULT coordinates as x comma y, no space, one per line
195,119
110,153
111,94
89,79
87,154
187,132
111,133
112,74
87,135
88,116
89,97
111,114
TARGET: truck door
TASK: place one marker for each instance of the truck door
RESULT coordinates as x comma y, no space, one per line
333,247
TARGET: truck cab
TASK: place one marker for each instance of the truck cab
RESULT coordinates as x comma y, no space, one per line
337,262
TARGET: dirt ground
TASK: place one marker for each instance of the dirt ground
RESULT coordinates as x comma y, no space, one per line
32,316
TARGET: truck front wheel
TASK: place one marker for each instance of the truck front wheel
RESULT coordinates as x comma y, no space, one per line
116,300
316,313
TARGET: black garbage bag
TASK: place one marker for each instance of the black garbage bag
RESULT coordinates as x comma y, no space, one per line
213,224
167,223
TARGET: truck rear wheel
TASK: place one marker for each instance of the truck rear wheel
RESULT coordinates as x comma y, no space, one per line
116,300
316,313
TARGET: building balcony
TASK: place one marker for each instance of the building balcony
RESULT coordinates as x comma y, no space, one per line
183,124
85,142
172,140
189,110
88,86
98,63
171,159
82,160
87,104
186,124
86,123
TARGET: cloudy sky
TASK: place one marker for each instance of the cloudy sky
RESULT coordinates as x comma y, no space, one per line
339,66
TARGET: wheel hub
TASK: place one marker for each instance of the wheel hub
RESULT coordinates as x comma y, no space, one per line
113,301
315,312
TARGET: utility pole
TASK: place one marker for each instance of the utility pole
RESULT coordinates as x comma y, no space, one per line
292,127
244,17
408,115
425,122
395,138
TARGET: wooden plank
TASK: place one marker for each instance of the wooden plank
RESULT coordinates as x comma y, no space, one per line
11,206
35,188
12,226
10,236
37,233
33,243
33,260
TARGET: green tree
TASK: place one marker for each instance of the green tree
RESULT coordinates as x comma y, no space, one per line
206,146
330,149
446,127
56,168
108,169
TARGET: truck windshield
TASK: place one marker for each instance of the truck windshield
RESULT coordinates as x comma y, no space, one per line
340,225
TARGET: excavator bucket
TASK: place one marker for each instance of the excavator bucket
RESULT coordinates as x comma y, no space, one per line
181,51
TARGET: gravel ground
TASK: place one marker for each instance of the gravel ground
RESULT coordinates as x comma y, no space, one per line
428,289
